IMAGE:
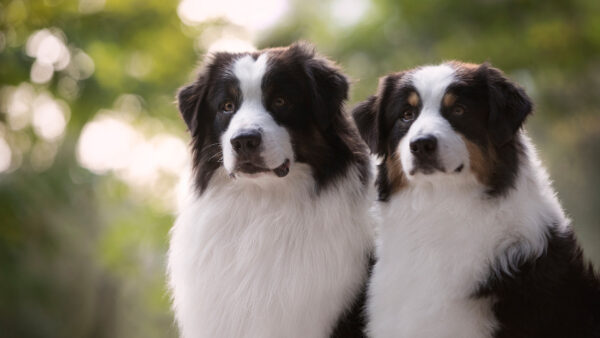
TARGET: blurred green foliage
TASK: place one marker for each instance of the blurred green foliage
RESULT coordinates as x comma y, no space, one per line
82,254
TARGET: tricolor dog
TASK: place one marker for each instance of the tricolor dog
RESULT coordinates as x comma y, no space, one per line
275,241
473,241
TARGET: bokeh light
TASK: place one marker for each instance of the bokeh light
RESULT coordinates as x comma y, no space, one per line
253,15
83,66
41,72
348,12
50,52
91,6
112,143
49,117
16,103
106,143
5,155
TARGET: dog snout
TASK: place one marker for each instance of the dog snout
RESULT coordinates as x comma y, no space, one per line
246,141
424,146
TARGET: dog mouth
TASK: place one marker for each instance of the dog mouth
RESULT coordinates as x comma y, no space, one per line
426,167
425,170
283,169
252,168
431,168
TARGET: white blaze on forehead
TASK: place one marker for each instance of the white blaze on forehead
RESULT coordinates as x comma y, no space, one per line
249,73
276,146
251,112
431,83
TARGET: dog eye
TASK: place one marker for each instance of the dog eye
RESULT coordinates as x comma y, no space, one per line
279,102
228,107
458,110
408,116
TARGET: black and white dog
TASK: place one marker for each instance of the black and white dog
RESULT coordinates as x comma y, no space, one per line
277,239
473,241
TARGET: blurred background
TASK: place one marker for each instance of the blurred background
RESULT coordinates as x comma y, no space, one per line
91,144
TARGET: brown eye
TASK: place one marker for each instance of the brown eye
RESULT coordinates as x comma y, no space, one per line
279,102
458,110
408,116
228,107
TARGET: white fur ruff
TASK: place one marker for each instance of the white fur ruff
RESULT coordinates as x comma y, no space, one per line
437,242
267,257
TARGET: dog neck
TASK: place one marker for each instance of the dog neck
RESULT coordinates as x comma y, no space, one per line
520,218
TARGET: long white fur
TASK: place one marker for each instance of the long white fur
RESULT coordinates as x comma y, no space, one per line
266,256
440,235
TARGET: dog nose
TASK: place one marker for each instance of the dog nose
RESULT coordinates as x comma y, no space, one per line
423,145
246,141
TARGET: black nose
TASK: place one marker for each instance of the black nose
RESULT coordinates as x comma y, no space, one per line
246,141
423,145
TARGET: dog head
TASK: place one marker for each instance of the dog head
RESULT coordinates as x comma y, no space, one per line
445,123
257,114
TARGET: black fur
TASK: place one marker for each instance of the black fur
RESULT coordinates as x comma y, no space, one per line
365,117
495,109
353,322
198,105
325,139
554,295
315,91
509,105
379,124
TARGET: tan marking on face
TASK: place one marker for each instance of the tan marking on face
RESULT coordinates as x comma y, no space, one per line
449,99
413,99
395,173
481,161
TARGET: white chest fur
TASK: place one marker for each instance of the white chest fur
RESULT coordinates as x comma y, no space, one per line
251,259
437,242
428,265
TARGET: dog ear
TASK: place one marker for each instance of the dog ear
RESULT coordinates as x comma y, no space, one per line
330,91
368,114
365,118
329,85
509,105
189,100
